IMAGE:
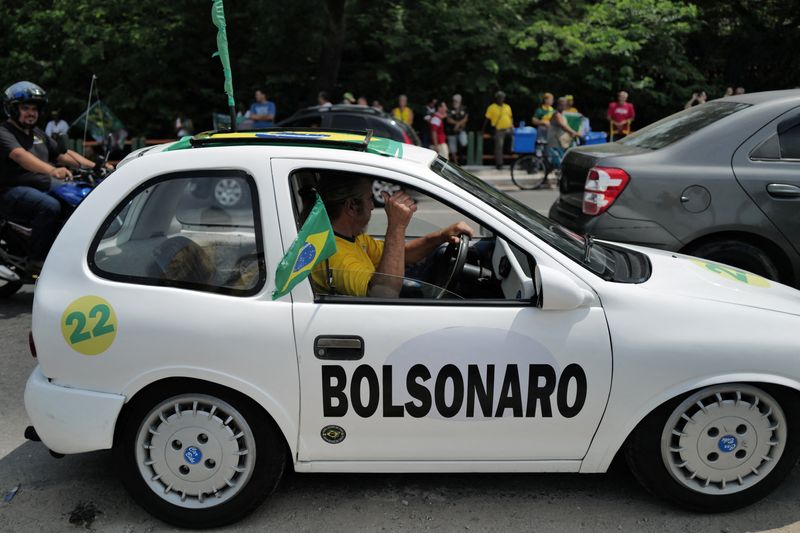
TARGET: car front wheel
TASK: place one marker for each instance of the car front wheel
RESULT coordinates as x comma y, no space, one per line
199,457
719,448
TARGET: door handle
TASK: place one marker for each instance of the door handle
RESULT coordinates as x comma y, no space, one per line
783,190
339,347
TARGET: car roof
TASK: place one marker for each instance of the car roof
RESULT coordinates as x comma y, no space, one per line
342,108
308,138
775,97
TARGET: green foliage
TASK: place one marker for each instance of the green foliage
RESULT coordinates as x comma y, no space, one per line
154,58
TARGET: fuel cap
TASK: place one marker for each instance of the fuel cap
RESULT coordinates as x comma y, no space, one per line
695,199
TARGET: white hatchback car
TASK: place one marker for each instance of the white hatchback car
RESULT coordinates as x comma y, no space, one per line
523,349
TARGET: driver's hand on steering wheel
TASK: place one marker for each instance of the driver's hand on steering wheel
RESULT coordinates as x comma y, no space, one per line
399,208
451,232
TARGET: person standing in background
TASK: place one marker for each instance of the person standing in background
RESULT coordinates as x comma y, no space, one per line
57,127
402,112
262,111
698,97
438,136
455,127
500,117
620,115
323,100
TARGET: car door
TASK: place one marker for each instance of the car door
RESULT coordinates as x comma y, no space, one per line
421,380
768,167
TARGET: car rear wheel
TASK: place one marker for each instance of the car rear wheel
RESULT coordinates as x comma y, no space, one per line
9,288
199,457
719,448
739,254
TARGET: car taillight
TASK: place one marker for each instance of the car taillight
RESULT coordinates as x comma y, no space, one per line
406,138
31,344
603,186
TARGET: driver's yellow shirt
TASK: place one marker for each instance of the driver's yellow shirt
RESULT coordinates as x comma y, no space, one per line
352,266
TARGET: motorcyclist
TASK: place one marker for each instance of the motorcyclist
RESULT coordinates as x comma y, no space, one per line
29,169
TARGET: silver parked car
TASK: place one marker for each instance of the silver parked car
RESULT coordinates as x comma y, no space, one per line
720,180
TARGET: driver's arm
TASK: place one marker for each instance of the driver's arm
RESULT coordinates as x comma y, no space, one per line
422,247
399,209
31,163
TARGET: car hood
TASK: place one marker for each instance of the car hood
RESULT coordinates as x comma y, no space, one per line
700,279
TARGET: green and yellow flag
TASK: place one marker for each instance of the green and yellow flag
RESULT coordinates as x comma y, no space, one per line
314,243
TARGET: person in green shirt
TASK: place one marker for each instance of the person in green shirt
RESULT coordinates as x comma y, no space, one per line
543,113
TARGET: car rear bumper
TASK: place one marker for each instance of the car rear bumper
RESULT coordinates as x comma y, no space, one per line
71,420
610,228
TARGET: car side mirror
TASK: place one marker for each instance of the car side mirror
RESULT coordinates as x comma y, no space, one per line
555,291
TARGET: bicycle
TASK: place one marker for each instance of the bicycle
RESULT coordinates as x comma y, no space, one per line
531,170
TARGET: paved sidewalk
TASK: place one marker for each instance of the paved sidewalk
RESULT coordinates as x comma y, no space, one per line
501,178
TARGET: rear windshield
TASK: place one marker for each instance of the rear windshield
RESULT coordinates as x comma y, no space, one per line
675,127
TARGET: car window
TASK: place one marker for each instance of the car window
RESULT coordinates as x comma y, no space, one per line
381,129
680,125
348,122
308,121
783,144
175,232
486,268
790,142
769,149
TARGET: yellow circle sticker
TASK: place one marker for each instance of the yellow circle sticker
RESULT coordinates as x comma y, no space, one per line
89,325
732,273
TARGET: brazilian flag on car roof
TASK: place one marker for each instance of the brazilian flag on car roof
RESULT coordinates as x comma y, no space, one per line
314,243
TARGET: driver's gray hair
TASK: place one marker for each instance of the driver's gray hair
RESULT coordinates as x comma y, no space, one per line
335,188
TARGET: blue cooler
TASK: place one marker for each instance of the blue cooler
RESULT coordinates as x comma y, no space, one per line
524,140
595,137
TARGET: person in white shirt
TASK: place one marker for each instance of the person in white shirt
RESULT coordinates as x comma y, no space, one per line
56,127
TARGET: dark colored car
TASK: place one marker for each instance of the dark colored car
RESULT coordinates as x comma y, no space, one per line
352,117
355,117
720,180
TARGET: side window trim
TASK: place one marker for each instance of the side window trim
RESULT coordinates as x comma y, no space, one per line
140,280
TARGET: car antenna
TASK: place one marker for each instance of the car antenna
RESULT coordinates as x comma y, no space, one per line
367,138
86,121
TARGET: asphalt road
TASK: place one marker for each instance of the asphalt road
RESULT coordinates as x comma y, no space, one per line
82,491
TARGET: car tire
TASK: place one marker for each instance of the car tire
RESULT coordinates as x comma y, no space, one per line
9,288
197,455
378,187
717,449
739,254
229,192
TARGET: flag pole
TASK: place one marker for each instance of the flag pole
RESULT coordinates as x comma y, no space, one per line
218,18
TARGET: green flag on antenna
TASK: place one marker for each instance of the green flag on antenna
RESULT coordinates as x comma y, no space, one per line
218,17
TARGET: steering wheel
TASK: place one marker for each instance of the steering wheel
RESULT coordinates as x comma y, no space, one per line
451,264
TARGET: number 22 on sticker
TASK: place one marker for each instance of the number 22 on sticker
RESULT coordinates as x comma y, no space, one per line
89,325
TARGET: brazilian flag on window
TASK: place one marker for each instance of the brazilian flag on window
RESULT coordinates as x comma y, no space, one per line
314,243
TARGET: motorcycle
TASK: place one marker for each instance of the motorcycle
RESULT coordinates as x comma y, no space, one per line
15,238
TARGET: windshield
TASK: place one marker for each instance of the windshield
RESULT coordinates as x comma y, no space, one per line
601,260
680,125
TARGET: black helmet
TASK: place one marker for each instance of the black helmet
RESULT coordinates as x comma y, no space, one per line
23,92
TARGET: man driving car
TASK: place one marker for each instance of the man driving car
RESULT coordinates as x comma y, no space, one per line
362,265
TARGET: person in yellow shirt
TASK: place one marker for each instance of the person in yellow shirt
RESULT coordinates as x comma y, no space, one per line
543,113
402,112
500,116
571,104
363,265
